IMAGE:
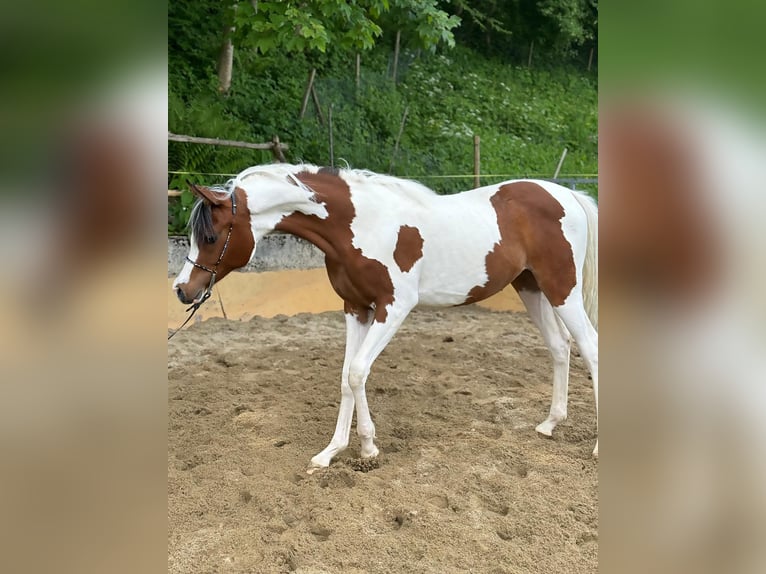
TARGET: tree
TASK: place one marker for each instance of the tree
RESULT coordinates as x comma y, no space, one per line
314,25
507,27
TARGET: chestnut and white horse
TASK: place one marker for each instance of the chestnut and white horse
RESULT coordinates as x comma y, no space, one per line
391,244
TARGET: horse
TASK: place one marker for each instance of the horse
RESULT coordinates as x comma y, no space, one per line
391,244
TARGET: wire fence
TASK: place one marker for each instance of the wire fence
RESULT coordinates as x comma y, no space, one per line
572,181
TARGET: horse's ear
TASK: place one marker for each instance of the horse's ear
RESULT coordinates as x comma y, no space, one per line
206,194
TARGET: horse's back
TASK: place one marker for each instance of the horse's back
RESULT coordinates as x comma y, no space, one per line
465,247
498,232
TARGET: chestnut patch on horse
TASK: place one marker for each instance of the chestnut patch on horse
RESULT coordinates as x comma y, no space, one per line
241,245
409,247
531,238
660,234
360,281
214,221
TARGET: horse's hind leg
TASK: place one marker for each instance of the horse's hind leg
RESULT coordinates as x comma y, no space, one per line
355,334
573,314
557,340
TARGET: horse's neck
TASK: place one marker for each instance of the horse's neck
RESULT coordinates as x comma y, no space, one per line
277,201
324,227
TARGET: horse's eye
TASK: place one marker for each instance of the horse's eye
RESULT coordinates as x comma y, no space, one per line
210,239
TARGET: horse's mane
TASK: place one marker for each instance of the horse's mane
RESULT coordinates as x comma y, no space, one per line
201,218
409,186
350,175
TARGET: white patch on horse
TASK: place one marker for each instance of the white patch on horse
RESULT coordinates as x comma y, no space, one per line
459,254
276,194
185,273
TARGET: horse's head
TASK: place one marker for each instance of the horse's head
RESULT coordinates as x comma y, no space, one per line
221,240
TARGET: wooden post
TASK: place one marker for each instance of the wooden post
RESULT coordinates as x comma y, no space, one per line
226,59
226,62
332,150
398,138
590,59
214,141
276,149
561,161
531,49
309,87
317,105
358,69
396,54
476,161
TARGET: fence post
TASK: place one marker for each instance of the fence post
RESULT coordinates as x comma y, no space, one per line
308,92
317,104
396,54
476,161
398,137
276,149
531,48
329,124
358,69
561,161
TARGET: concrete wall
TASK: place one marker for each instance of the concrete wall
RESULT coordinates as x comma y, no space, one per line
273,253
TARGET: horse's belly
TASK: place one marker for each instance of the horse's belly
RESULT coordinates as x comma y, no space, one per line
441,298
455,263
450,285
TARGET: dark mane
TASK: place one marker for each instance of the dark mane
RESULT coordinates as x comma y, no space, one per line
201,221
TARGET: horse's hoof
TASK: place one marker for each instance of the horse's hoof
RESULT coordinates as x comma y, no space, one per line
317,463
545,429
372,453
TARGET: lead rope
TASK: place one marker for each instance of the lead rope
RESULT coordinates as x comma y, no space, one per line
195,306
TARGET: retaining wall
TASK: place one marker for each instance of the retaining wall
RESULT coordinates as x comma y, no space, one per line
273,253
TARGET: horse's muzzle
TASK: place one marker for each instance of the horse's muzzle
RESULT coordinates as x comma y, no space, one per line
182,296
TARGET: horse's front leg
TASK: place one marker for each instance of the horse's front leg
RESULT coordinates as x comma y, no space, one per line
355,334
378,336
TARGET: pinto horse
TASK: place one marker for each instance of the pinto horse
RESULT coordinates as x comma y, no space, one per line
391,244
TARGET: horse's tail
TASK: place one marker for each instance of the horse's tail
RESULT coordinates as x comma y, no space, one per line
590,266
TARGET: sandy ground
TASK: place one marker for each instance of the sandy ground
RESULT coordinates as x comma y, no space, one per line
463,482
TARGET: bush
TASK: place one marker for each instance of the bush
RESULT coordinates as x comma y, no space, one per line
524,118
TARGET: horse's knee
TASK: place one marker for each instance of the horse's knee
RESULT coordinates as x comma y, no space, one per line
345,389
560,350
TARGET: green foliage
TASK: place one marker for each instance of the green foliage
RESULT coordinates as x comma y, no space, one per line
525,117
427,25
309,26
560,29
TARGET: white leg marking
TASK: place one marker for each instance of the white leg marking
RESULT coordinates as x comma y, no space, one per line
558,342
355,334
376,340
572,313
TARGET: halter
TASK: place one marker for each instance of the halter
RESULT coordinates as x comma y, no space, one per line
213,271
